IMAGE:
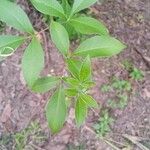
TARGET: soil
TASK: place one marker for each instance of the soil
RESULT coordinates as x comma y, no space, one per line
127,20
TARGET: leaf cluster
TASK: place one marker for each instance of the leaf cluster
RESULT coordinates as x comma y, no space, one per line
64,17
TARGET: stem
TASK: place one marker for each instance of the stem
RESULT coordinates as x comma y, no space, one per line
42,30
34,35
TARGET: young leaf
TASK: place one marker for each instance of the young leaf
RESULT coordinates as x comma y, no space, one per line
9,41
14,16
60,37
73,67
88,25
71,92
66,7
44,84
88,84
32,62
56,110
72,82
49,7
71,31
81,4
89,100
80,111
100,46
85,71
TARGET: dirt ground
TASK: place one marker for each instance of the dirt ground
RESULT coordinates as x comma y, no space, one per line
129,21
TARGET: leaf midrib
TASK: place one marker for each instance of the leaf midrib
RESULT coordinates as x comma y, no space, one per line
61,42
12,42
85,23
78,51
57,108
37,86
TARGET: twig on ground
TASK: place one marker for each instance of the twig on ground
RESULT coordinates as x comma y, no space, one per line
145,59
108,141
36,147
135,140
112,145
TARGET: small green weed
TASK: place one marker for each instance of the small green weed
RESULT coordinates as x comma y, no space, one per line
25,139
127,65
104,122
106,88
121,89
134,73
6,142
121,102
118,85
121,85
29,136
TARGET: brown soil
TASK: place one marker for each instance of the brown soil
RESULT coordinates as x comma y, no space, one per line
127,20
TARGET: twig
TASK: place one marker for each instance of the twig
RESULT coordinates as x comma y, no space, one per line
116,142
135,140
89,129
108,141
145,59
42,30
48,58
36,147
112,145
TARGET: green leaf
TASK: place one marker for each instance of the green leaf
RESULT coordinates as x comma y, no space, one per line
88,84
71,31
89,100
60,37
66,6
49,7
73,67
56,110
72,81
85,71
44,84
14,16
9,43
32,62
80,111
71,92
81,4
88,25
100,46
